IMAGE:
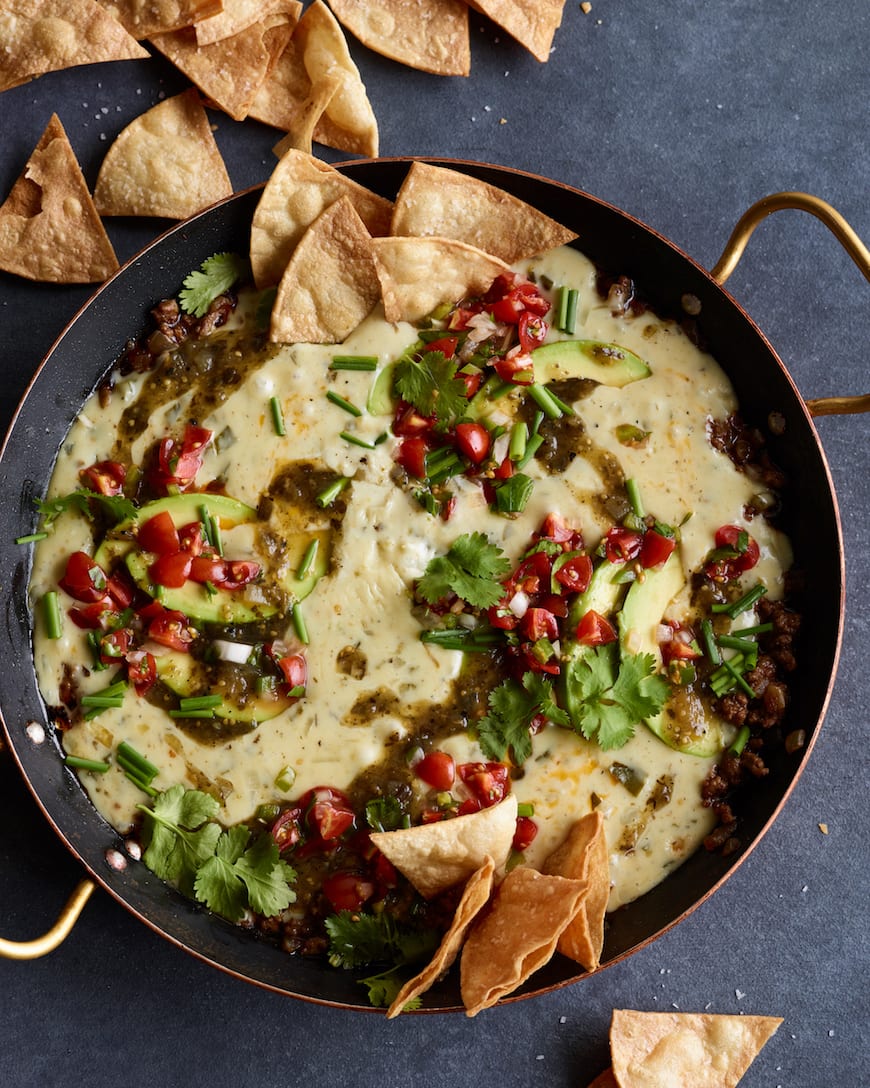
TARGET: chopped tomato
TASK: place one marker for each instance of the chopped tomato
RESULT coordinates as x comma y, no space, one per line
141,670
329,812
294,669
681,645
538,623
347,891
472,379
170,570
287,829
736,552
408,423
96,616
105,477
237,573
412,457
532,573
539,657
594,630
500,616
171,629
622,545
656,548
473,441
121,588
83,579
573,575
158,534
114,645
532,331
555,528
179,462
525,833
505,470
516,367
190,538
469,806
436,769
487,783
446,345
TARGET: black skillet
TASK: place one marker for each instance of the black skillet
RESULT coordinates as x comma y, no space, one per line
94,340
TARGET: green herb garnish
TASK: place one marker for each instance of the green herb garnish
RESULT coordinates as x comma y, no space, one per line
216,275
471,569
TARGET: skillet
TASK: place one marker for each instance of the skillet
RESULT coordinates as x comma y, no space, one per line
618,244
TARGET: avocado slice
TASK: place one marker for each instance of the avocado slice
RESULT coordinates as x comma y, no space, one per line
607,364
638,620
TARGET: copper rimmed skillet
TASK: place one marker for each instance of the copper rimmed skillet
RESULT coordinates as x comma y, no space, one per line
619,244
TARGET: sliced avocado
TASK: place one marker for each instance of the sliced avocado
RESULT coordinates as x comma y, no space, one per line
607,364
187,677
381,399
639,620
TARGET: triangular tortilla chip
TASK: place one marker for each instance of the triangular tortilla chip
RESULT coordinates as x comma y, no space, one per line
237,15
318,49
299,189
38,36
583,856
142,18
683,1049
436,856
49,227
330,284
300,133
434,200
419,274
229,72
474,898
164,163
533,25
516,936
431,35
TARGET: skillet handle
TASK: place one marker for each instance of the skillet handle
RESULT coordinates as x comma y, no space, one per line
48,942
847,237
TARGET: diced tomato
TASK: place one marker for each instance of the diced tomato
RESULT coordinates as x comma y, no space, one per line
521,299
656,548
468,806
190,538
532,330
385,872
574,574
206,568
555,528
487,783
170,570
408,423
95,616
680,646
505,470
294,669
141,671
537,658
158,534
555,604
329,813
622,545
741,554
539,623
179,462
532,573
516,367
237,573
114,645
473,441
287,829
83,579
525,833
499,287
436,769
121,587
171,629
347,891
447,508
432,816
446,345
105,477
532,298
412,457
472,379
500,616
595,630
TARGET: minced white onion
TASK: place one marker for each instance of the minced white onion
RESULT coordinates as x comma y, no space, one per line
237,652
519,604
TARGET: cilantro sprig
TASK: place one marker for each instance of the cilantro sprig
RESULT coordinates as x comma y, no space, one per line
472,569
114,508
219,868
430,384
512,707
215,275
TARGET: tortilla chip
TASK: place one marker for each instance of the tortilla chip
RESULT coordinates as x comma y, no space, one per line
431,35
318,49
434,200
533,25
142,18
474,899
685,1050
419,274
583,856
605,1080
516,936
164,163
49,227
330,284
234,16
229,72
40,36
300,134
436,856
299,189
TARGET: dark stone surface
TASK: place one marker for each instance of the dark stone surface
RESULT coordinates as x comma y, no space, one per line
683,115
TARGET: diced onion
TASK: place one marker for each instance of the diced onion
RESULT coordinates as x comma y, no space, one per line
519,604
237,652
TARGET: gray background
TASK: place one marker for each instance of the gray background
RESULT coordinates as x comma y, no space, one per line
682,114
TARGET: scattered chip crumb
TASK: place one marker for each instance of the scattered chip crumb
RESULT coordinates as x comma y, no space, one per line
563,1019
585,7
502,120
739,994
823,828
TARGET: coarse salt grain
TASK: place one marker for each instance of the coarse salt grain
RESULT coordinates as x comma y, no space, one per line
116,860
35,732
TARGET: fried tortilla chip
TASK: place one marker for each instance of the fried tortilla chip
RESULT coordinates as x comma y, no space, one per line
49,227
40,36
300,187
685,1050
300,134
229,72
434,200
516,936
419,274
474,897
533,25
142,18
234,16
330,284
583,856
436,856
318,50
431,35
164,163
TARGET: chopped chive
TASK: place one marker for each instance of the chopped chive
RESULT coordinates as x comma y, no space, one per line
476,640
709,641
545,401
743,604
354,362
634,498
354,441
330,493
102,701
277,417
563,307
200,702
500,389
30,538
739,742
135,759
732,642
758,629
436,456
532,446
570,319
525,809
537,420
738,677
285,779
308,558
519,438
445,468
216,536
98,766
144,785
299,624
340,402
202,712
51,615
567,410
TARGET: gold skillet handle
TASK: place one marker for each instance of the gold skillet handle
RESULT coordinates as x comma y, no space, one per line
41,946
823,406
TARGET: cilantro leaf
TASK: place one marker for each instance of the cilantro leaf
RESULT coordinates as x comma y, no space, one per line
615,694
512,707
384,989
541,690
115,507
216,275
431,385
216,883
181,838
266,877
357,938
471,569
